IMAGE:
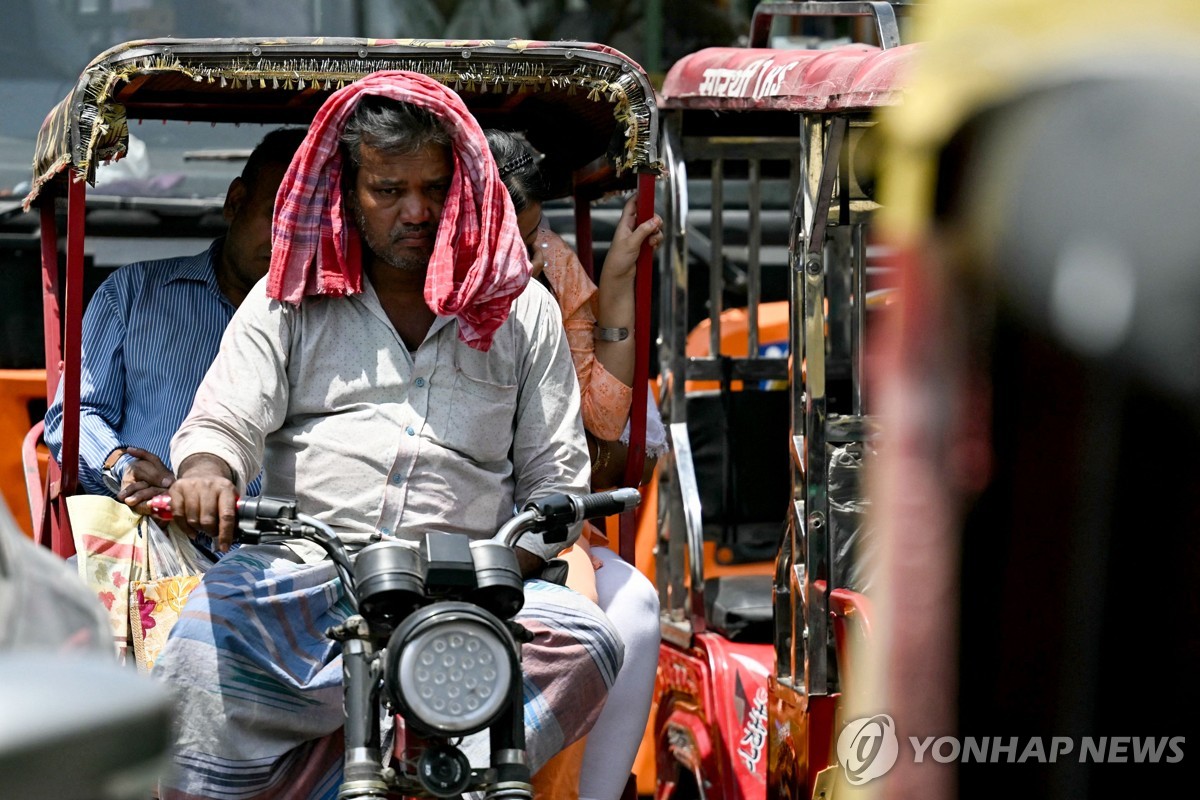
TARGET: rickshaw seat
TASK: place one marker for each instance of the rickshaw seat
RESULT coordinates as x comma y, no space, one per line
739,607
744,507
743,504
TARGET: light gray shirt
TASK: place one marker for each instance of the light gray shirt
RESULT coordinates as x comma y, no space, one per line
374,440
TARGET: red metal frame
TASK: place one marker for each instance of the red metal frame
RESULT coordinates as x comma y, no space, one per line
51,292
712,716
583,235
636,459
35,487
63,356
73,333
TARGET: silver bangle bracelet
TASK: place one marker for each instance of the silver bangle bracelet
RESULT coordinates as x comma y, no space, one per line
611,334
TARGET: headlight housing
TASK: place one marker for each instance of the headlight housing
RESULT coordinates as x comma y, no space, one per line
390,578
451,668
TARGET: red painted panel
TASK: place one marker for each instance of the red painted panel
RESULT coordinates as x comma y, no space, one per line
845,78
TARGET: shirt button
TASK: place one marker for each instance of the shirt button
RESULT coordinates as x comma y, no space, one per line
386,531
396,478
409,430
420,382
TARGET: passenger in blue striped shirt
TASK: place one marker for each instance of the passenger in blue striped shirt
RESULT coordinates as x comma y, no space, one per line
153,328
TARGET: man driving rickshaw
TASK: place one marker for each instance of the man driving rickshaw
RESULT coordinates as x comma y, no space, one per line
460,373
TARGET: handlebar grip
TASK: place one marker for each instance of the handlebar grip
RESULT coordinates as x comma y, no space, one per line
265,509
560,510
249,509
160,507
603,504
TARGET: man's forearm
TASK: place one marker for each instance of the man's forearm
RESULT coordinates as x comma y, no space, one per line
98,439
206,465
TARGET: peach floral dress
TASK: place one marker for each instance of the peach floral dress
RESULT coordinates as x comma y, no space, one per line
604,399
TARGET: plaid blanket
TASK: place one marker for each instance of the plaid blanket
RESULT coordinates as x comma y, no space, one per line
259,686
479,264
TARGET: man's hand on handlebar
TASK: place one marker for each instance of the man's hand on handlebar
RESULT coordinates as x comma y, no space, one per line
204,499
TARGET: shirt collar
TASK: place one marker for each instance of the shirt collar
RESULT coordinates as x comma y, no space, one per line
370,299
201,268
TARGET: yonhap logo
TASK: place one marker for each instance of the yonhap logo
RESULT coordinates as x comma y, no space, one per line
867,748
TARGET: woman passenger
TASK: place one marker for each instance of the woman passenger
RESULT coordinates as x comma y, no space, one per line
599,325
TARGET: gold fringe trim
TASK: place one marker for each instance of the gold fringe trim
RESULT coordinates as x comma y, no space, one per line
104,135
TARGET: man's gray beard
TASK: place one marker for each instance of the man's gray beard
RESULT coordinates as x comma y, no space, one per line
402,263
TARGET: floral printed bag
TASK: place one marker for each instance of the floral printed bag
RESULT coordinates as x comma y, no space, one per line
140,571
109,547
171,571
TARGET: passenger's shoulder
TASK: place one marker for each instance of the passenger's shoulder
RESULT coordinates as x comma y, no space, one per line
161,270
535,309
535,298
535,317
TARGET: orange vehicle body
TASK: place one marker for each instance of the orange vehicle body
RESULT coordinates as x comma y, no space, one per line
19,390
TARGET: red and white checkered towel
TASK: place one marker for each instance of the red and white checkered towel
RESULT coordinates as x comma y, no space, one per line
479,263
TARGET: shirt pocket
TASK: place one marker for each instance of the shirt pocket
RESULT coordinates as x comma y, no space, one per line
481,417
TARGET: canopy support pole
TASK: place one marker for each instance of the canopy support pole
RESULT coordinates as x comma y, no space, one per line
583,234
61,539
51,299
641,369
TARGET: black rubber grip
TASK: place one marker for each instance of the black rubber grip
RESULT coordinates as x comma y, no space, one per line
603,504
262,509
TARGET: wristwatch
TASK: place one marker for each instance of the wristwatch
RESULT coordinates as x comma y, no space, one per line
611,334
109,473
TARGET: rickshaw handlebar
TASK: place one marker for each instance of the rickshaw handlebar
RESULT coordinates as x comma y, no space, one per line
264,520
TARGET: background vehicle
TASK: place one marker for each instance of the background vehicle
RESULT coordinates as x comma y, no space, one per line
60,739
587,108
1046,355
760,506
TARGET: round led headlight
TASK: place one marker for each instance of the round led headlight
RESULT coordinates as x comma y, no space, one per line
450,668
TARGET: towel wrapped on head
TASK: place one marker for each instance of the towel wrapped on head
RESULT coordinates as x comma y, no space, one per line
479,263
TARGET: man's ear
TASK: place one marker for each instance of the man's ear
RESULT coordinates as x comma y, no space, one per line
235,196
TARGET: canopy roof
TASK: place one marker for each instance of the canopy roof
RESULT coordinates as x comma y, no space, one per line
846,78
587,107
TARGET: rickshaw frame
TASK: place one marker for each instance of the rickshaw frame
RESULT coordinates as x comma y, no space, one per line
601,92
832,95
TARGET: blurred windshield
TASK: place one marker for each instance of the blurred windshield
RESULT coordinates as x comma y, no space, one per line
58,38
43,56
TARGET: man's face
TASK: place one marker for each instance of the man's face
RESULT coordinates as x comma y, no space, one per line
397,203
248,209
